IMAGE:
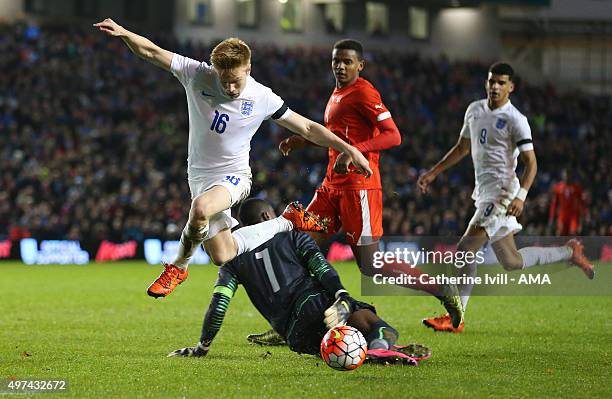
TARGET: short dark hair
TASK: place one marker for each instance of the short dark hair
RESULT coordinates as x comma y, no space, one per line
502,68
350,44
250,211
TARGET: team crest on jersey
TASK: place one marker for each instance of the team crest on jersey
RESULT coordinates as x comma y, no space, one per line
500,123
247,106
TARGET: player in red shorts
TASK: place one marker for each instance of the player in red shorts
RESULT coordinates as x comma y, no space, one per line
568,205
356,113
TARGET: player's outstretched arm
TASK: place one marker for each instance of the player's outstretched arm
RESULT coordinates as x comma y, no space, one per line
141,46
389,137
531,169
454,155
225,289
319,135
316,264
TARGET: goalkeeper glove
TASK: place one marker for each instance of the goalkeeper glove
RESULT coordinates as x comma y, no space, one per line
191,351
339,313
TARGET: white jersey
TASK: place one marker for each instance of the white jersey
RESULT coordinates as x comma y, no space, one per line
497,136
221,128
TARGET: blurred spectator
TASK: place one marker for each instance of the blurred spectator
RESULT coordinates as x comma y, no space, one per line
93,141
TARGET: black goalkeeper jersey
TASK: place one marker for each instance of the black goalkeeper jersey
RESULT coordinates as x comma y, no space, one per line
274,276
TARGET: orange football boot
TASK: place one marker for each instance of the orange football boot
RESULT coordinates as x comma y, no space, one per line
167,281
443,323
303,220
579,259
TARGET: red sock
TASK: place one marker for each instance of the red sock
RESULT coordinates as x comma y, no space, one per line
397,269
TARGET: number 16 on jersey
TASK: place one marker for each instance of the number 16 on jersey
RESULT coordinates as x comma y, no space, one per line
219,123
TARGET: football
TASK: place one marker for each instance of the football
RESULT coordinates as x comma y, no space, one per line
344,348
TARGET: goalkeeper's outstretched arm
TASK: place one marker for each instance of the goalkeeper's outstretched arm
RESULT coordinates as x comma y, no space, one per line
312,258
225,288
216,311
141,46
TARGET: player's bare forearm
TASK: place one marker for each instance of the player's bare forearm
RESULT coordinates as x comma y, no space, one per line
454,155
319,135
459,151
531,169
140,45
146,49
323,137
314,132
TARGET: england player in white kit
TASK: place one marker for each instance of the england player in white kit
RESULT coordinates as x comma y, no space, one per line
226,107
496,133
496,138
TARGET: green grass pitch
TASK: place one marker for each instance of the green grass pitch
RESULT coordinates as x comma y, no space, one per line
95,326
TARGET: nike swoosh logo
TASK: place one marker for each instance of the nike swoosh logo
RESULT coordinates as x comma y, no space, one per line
206,94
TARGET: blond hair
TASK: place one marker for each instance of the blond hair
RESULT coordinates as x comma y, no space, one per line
230,53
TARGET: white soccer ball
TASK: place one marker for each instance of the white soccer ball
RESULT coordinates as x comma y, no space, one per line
344,348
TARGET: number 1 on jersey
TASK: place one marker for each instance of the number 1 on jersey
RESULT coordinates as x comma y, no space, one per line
265,255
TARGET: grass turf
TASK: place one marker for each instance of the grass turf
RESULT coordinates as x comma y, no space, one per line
95,326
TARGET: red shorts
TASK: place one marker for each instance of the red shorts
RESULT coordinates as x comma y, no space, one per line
567,225
358,212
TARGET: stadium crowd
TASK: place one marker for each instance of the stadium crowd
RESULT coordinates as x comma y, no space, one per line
93,141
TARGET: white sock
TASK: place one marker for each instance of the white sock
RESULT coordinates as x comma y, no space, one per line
533,256
250,237
465,290
191,238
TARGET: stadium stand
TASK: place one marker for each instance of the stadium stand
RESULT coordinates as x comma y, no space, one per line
93,141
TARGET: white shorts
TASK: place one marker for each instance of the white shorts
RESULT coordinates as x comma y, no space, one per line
239,187
493,219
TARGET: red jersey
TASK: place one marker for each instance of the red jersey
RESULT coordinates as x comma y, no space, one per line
568,197
352,113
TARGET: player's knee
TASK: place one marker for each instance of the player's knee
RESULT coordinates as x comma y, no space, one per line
213,260
220,257
465,247
201,212
510,263
217,260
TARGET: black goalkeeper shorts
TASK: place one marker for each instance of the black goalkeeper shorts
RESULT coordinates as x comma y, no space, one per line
306,327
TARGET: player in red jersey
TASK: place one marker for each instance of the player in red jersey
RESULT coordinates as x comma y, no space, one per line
568,205
356,113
